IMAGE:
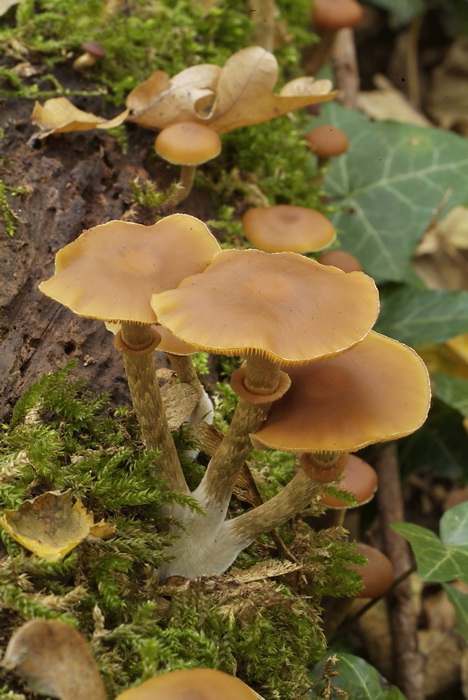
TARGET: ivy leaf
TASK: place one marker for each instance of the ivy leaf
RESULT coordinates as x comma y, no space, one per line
459,601
444,559
388,186
416,316
359,679
453,391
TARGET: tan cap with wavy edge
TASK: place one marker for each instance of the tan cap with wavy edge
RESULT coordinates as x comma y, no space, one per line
285,227
192,684
110,271
282,306
378,390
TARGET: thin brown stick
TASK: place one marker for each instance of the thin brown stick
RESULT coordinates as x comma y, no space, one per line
407,669
346,68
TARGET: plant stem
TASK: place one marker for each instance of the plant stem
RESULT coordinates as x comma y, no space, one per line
185,184
140,369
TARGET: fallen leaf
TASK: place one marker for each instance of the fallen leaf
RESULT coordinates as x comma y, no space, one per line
160,101
386,102
55,660
50,525
58,116
244,93
179,402
447,96
6,4
102,530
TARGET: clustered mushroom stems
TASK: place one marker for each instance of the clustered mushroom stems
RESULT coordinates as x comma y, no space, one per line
261,378
138,342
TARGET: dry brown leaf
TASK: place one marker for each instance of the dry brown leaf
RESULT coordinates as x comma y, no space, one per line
55,660
179,402
159,101
6,4
50,525
58,116
263,570
441,652
244,93
448,96
386,102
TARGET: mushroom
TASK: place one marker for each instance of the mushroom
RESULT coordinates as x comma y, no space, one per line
187,144
195,684
93,52
360,480
275,308
377,391
327,142
285,227
109,273
377,579
341,259
328,17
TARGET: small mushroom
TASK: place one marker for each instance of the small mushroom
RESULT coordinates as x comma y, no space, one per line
327,142
285,227
93,52
191,684
341,259
187,144
328,17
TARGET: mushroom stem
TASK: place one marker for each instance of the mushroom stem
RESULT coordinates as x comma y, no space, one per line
137,343
184,185
278,510
186,373
215,489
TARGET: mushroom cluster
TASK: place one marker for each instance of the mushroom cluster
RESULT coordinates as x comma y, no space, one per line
316,380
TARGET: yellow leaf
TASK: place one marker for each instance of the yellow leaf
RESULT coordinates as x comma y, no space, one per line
58,116
50,525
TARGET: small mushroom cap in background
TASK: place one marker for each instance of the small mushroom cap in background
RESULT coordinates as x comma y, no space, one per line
283,306
378,390
111,271
341,259
359,479
188,143
192,684
336,14
377,574
327,141
285,227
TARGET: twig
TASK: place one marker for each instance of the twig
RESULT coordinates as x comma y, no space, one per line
346,68
407,670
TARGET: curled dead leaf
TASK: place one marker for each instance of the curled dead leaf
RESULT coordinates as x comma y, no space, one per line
58,116
51,525
55,660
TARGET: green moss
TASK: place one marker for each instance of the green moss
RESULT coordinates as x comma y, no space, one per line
10,217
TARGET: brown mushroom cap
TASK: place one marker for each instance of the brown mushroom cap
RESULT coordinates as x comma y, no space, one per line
280,305
359,479
95,48
340,259
188,143
192,684
377,574
336,14
285,227
111,271
378,390
327,141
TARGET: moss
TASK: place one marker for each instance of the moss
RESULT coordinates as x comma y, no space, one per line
265,628
10,217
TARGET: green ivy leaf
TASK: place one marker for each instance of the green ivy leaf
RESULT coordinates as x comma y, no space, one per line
459,601
416,316
453,391
359,679
444,559
388,185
